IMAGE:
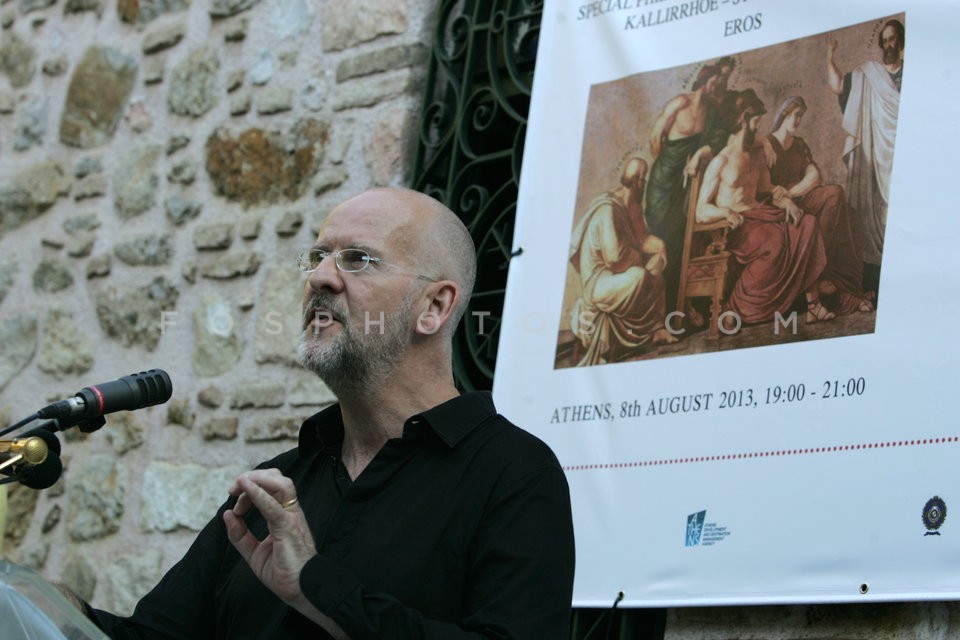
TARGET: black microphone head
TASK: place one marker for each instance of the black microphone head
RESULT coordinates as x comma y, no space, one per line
44,475
53,442
155,385
128,393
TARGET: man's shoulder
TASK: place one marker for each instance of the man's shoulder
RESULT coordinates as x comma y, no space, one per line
605,199
606,215
510,445
680,101
601,211
870,69
505,462
723,157
477,437
281,461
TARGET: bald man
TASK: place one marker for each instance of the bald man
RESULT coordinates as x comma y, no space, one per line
408,509
620,268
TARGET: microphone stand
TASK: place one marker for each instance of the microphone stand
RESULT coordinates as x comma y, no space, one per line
85,425
15,477
19,425
52,425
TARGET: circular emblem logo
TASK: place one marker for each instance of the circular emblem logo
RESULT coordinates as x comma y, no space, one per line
934,513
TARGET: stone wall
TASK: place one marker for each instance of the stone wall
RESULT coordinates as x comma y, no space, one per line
162,162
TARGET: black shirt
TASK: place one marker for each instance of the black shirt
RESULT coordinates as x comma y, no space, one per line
459,529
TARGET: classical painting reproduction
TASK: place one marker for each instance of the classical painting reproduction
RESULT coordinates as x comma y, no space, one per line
737,202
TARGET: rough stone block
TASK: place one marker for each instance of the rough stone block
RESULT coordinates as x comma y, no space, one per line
98,92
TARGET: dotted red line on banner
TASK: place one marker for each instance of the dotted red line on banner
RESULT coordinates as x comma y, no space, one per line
840,448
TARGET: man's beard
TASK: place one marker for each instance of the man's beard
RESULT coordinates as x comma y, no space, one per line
749,136
891,54
351,361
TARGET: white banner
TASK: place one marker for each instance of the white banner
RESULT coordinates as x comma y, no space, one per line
749,409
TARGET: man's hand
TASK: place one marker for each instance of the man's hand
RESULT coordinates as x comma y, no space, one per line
733,218
834,77
781,198
277,559
655,250
703,154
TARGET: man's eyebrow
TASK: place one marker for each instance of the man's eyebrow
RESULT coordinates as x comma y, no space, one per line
365,247
324,246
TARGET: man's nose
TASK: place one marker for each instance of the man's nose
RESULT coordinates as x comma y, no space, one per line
326,277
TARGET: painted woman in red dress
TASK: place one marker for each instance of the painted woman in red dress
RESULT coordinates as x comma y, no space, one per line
792,167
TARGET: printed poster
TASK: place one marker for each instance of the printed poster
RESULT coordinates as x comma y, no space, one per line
727,312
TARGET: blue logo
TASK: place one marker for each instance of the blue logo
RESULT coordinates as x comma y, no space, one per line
695,528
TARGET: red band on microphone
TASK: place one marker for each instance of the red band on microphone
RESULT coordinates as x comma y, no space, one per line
100,402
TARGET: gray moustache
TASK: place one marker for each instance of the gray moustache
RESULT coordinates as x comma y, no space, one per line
331,309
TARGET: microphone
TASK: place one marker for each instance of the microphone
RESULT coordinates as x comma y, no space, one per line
35,462
135,391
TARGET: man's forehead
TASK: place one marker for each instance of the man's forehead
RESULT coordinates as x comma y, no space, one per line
365,221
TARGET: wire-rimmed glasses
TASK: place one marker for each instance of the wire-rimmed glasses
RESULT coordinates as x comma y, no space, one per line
348,261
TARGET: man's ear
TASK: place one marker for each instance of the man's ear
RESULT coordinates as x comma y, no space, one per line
440,300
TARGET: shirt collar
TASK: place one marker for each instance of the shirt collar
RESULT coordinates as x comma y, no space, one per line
451,421
323,430
455,418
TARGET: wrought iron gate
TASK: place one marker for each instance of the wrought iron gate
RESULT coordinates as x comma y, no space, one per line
470,147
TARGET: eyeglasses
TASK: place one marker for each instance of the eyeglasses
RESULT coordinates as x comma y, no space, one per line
348,261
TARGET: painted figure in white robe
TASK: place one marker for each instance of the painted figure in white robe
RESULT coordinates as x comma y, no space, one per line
870,100
620,268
